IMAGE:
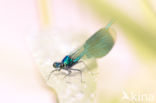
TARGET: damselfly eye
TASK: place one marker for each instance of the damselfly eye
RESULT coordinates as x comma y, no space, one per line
56,65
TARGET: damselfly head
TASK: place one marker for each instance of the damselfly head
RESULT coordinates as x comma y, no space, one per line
57,65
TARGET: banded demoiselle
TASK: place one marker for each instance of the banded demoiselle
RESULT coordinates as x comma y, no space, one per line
97,46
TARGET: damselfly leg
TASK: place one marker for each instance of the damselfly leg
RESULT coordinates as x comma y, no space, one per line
51,73
69,72
86,67
78,71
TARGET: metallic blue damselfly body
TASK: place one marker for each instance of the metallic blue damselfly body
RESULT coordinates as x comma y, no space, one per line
97,46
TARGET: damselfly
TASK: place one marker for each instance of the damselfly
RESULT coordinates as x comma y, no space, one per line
97,46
